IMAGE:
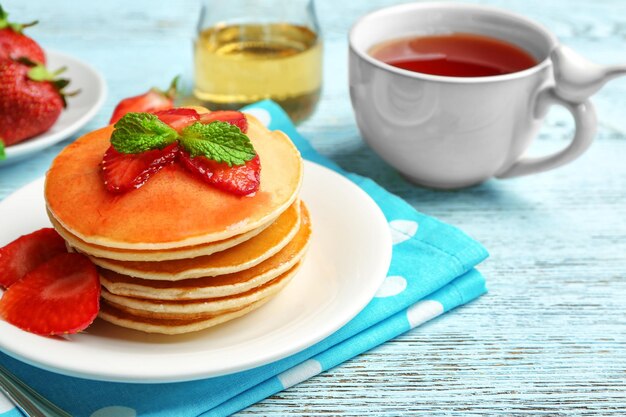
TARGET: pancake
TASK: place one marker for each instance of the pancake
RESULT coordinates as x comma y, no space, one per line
153,255
218,286
243,256
173,208
165,326
192,309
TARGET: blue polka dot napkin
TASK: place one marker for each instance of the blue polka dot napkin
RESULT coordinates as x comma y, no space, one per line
432,271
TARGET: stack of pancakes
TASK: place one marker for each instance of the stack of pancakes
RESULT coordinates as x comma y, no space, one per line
178,255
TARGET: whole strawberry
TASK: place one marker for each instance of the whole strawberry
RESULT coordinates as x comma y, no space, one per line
150,101
31,100
14,44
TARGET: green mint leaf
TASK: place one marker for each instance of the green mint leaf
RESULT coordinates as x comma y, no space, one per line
140,132
219,141
3,155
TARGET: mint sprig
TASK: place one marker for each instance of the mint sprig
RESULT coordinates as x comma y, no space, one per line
3,155
219,141
141,132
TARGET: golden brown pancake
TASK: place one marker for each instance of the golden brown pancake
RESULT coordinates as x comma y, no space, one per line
243,256
173,208
218,286
178,255
170,326
192,309
153,255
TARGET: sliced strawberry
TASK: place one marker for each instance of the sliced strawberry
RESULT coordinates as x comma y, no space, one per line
151,101
238,179
60,296
124,172
28,252
178,118
233,117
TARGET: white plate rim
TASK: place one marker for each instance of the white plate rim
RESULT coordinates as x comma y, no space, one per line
16,152
378,271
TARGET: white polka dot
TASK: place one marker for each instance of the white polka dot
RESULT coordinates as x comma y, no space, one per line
115,411
261,114
402,230
299,373
5,404
423,311
391,286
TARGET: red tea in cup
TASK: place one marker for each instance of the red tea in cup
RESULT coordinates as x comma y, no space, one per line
454,55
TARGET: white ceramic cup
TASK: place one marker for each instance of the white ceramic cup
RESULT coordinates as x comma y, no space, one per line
453,132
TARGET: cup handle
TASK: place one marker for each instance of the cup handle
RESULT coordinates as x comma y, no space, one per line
585,120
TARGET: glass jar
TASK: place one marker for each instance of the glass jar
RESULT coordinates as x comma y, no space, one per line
250,50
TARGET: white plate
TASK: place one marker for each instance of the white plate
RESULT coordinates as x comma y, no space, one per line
348,260
80,108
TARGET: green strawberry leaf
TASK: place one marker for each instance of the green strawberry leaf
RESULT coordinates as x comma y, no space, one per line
4,16
172,90
40,73
219,141
3,155
16,27
140,132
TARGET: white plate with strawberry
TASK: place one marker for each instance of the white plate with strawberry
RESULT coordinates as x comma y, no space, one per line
347,261
81,107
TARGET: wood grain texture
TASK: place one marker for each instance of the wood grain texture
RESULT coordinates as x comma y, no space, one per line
549,338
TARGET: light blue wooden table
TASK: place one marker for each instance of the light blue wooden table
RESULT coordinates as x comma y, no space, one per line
549,338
